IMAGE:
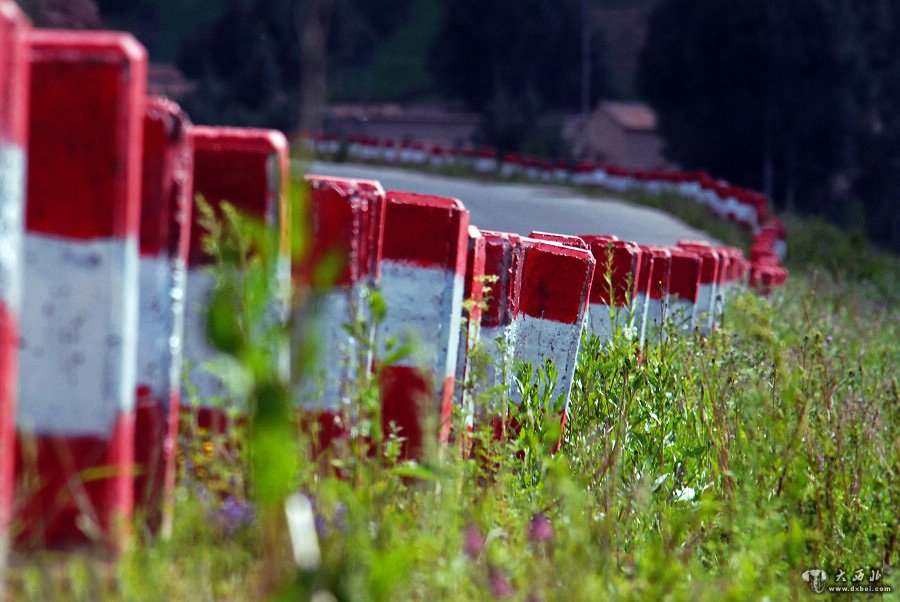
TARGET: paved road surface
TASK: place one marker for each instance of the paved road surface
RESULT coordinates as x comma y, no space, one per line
522,208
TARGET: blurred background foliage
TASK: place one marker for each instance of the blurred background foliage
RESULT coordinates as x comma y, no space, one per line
799,99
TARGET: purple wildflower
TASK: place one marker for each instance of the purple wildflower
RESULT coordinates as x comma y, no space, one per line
539,529
499,584
234,514
340,517
321,526
474,542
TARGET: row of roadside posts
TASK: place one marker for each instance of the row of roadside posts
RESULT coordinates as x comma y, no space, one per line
104,280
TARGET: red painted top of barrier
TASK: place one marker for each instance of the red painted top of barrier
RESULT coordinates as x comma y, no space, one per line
502,257
87,103
709,258
736,266
684,279
563,239
660,272
646,268
556,280
368,233
14,72
727,264
373,193
428,231
625,265
474,283
236,165
167,180
338,230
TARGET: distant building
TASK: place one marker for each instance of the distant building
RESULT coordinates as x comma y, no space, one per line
620,133
394,122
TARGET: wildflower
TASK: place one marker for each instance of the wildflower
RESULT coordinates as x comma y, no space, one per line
234,514
474,542
340,517
321,526
539,529
499,584
684,495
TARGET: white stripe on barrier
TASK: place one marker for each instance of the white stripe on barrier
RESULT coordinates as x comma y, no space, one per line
160,349
641,313
418,302
656,319
90,289
705,303
499,344
12,191
538,339
198,290
323,318
602,324
681,314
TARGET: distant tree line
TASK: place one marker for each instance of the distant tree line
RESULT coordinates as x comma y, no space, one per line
521,65
799,98
266,62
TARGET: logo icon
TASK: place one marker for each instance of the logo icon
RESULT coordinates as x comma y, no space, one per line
816,579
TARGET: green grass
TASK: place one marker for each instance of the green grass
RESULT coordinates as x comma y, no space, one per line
717,468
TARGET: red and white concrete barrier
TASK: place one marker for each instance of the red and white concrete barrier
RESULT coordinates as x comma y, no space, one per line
643,284
510,166
582,174
327,146
502,263
436,157
389,152
555,286
562,172
346,222
614,287
729,260
79,326
249,169
165,226
704,316
473,297
422,271
657,302
14,72
684,288
486,162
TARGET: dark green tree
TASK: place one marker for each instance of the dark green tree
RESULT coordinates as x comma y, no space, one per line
516,60
871,40
751,90
249,61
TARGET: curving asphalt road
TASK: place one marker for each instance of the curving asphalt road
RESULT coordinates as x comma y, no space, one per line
522,208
